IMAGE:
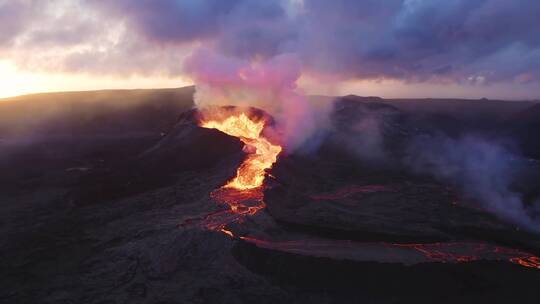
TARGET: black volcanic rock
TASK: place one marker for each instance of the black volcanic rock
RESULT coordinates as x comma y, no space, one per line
335,200
341,192
343,280
524,128
107,215
190,147
186,147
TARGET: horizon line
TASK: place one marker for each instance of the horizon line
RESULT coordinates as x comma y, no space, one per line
5,98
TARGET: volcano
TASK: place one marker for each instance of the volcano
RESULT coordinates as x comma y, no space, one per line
205,206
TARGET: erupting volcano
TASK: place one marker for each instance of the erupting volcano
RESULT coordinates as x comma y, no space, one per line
296,151
215,203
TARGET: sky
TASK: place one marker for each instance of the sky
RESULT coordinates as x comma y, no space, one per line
388,48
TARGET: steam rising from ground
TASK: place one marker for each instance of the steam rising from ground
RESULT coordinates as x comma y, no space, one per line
365,138
266,84
483,169
486,170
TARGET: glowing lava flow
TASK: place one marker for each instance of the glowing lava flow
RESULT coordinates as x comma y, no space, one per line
251,172
243,194
527,261
244,197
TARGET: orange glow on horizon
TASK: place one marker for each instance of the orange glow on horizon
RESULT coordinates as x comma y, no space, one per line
15,82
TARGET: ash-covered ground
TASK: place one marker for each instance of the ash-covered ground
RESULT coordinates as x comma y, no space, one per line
107,200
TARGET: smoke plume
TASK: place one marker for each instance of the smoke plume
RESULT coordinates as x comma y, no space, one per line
266,84
483,169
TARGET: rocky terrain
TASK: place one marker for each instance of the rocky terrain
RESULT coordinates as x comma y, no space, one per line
105,204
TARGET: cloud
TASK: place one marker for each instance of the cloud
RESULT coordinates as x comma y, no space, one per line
460,41
244,28
169,20
421,40
74,37
412,40
15,16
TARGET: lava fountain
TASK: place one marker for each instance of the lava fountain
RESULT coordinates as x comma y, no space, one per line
262,154
244,193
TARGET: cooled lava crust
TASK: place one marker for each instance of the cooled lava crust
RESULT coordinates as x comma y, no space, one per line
128,228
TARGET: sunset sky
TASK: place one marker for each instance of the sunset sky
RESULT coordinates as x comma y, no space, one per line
389,48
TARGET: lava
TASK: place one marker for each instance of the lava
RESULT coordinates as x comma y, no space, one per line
243,196
527,261
263,154
445,252
454,253
240,203
244,193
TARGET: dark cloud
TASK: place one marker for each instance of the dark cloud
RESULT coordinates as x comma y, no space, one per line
189,20
404,39
256,29
242,28
419,40
170,20
463,41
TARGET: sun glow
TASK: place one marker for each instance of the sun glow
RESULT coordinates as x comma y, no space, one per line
14,82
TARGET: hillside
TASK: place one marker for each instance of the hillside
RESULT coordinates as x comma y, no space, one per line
93,112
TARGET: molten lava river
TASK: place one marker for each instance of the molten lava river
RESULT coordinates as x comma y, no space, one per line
243,195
